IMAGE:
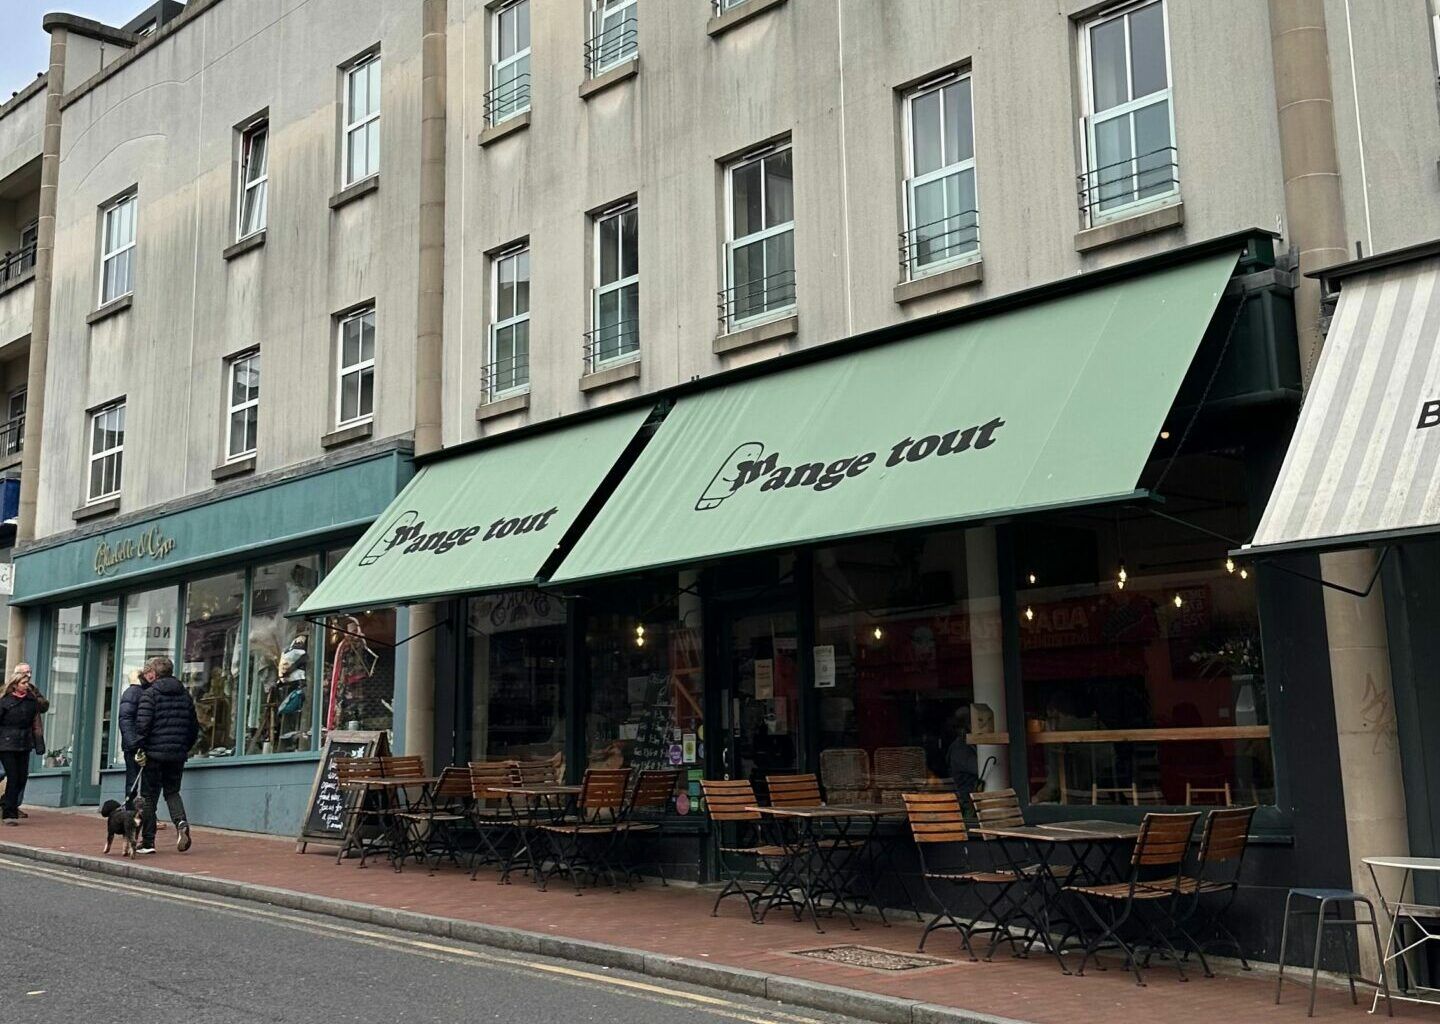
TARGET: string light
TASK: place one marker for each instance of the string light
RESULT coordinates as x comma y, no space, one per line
1244,574
1229,565
1179,601
1029,614
1121,577
878,633
640,635
1031,578
1164,435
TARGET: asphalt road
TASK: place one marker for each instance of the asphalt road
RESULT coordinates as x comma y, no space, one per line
80,947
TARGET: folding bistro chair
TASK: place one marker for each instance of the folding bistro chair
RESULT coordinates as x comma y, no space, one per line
1154,882
491,818
647,813
726,804
432,821
937,824
366,810
1211,891
587,844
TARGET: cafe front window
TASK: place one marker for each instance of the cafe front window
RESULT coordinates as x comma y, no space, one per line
210,666
1140,650
280,681
517,671
63,689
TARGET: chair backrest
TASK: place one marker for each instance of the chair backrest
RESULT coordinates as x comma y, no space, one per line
845,768
935,817
535,773
410,766
653,789
1225,835
356,769
793,790
603,789
454,784
998,808
896,767
1164,840
727,799
484,774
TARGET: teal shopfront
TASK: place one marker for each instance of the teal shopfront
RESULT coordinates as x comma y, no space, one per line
215,583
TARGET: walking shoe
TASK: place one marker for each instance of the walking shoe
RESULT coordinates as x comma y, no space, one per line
21,814
182,836
144,849
11,821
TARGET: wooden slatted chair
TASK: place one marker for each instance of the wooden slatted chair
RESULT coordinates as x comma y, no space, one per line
365,810
937,824
494,821
431,823
998,808
1155,867
845,772
648,814
586,845
1212,889
726,805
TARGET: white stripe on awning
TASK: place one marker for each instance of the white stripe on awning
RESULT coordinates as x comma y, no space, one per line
1363,462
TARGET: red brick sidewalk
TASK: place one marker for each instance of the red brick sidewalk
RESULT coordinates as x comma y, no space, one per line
676,921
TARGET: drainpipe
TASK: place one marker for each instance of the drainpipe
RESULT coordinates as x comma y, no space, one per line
429,349
39,323
1355,627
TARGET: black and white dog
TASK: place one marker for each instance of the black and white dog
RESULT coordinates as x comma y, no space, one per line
122,822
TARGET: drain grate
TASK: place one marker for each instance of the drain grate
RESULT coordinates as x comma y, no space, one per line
875,959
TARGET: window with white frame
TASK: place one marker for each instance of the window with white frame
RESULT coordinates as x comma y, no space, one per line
509,368
760,246
614,34
941,213
355,401
242,380
615,302
509,63
362,119
107,451
15,422
117,250
253,183
1129,123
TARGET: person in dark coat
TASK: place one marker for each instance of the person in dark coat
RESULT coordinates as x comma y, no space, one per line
20,706
167,728
130,733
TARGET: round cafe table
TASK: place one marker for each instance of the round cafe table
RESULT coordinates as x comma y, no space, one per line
1412,925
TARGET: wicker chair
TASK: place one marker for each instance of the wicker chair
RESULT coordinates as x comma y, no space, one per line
899,770
845,774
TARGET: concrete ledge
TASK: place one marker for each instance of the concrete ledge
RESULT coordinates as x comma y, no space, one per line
721,23
347,435
944,281
608,375
111,308
15,282
616,75
246,244
350,193
502,407
1146,223
509,126
96,509
89,28
230,470
771,330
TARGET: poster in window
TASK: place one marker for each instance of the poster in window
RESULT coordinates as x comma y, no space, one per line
764,679
824,666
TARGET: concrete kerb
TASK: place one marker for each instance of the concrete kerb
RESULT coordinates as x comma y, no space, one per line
793,991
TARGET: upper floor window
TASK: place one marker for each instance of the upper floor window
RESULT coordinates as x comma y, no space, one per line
509,63
941,216
117,250
14,429
1129,124
107,451
362,119
760,237
509,368
721,6
615,301
614,35
355,401
254,178
243,400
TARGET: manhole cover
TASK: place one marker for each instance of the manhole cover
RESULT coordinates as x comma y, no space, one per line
875,959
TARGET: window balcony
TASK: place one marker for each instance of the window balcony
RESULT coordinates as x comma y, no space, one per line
507,100
12,439
1129,187
941,244
756,299
17,267
505,376
612,46
611,344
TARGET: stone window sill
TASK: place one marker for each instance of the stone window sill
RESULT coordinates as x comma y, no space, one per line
942,281
246,244
348,434
96,509
606,376
350,193
721,23
619,73
111,308
771,330
230,470
1145,223
509,126
502,406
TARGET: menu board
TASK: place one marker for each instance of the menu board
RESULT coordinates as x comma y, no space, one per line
652,735
325,819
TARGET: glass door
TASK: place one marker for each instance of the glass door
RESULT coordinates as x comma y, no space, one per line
760,656
98,688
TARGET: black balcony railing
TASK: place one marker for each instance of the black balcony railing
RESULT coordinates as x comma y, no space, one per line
941,241
12,436
611,342
611,45
755,298
16,266
1111,187
719,7
505,375
508,99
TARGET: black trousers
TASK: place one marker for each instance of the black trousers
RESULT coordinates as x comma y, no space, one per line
17,772
161,777
131,771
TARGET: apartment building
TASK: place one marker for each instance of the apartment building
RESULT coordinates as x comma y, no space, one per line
880,390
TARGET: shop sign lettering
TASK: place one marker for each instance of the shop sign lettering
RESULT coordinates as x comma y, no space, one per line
1429,414
151,544
407,534
749,464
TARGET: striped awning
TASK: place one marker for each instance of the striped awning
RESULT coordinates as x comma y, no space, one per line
1362,466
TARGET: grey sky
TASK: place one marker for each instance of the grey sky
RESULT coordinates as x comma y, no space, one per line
24,45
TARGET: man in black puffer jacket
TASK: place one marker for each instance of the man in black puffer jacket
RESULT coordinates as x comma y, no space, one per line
166,726
130,733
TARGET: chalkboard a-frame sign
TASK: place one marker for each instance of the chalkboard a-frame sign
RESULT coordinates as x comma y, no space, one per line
325,819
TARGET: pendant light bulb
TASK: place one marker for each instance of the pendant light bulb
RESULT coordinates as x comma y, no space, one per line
1244,574
1179,601
640,635
1121,577
1229,565
1031,578
878,633
1029,614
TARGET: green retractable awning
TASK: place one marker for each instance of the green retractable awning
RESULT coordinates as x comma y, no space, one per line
1051,405
486,520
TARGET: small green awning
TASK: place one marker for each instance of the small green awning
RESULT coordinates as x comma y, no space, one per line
486,520
1050,405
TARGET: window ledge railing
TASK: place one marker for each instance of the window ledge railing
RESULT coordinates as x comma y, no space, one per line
508,100
12,437
940,245
754,302
17,267
611,345
504,377
1128,187
611,46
